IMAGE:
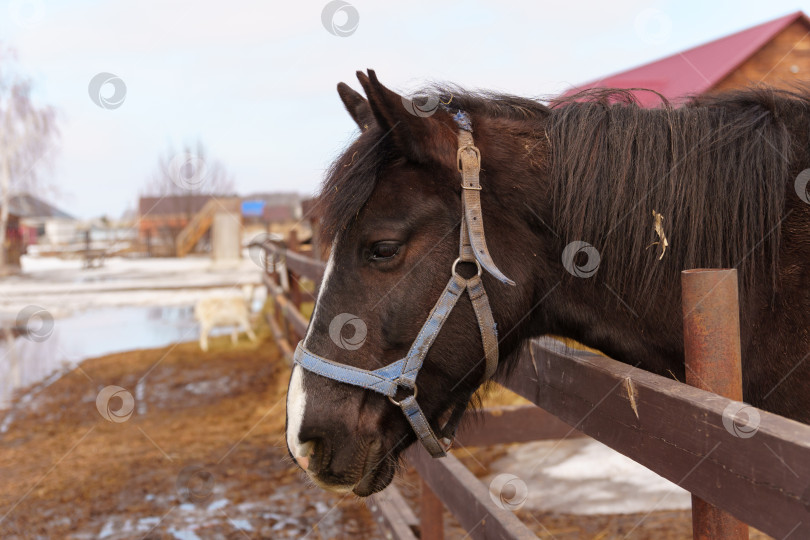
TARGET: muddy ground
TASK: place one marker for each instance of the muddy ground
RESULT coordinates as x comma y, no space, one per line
201,456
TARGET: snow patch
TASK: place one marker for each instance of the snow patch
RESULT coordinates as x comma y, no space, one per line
242,524
583,476
216,505
183,535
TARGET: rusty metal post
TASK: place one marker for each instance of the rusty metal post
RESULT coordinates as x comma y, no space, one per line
431,520
711,336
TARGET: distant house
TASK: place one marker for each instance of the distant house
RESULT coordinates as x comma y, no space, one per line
164,217
252,210
41,222
776,52
271,208
176,225
279,214
258,211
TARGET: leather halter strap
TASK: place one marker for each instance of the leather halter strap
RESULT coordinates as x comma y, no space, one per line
473,244
402,373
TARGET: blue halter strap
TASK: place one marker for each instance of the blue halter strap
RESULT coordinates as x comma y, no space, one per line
389,379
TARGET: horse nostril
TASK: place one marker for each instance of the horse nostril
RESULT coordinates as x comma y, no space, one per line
313,455
303,452
303,462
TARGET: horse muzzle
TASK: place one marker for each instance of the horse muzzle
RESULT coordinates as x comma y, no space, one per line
363,467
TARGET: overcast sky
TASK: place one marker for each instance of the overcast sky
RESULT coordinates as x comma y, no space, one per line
255,81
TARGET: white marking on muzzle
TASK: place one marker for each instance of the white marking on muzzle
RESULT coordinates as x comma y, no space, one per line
296,394
296,404
327,274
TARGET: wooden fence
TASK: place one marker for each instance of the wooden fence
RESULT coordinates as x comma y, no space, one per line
680,432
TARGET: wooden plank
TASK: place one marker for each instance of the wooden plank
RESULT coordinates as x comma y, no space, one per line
399,502
392,514
466,497
301,265
678,432
286,307
304,266
513,424
201,222
776,63
298,322
278,336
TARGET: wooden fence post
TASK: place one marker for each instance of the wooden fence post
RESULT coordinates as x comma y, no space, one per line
711,335
281,319
293,245
430,514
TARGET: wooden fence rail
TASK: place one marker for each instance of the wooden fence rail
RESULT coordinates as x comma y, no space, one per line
680,432
760,475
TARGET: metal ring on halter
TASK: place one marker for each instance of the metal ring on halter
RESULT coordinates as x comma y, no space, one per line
397,403
477,264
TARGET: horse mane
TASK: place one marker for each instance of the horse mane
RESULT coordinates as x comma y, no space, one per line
716,169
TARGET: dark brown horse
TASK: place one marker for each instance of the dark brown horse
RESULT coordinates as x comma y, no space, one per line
578,197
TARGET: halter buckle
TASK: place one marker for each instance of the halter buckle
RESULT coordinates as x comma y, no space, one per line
473,149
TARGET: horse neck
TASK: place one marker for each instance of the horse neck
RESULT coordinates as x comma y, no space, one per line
588,310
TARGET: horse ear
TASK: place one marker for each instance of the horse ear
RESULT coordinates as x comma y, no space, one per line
356,105
423,132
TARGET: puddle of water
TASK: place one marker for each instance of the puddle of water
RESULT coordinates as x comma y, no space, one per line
93,333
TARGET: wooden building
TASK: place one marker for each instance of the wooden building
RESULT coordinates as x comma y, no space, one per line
167,216
162,219
776,53
274,213
177,224
41,222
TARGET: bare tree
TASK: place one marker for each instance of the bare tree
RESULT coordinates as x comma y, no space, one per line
189,172
182,177
27,133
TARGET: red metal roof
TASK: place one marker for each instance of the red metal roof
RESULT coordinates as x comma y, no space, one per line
695,70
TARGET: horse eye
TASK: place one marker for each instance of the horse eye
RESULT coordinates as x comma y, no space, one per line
384,250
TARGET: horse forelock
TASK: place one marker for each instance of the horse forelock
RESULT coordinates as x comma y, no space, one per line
350,181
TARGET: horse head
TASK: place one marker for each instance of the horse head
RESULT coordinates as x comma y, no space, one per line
393,206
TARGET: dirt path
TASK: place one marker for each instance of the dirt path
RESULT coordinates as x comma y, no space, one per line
202,455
